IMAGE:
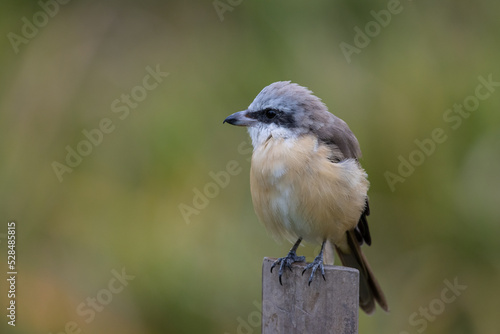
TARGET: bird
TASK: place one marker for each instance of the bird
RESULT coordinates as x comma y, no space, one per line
307,183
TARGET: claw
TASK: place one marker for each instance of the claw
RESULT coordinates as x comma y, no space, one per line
317,263
286,262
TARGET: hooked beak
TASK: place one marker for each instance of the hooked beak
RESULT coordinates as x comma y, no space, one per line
240,118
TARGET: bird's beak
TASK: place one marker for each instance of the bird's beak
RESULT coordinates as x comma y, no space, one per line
239,118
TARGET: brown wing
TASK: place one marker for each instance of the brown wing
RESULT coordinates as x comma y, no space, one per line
333,131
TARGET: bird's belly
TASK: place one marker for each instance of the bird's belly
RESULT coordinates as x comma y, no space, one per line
284,205
298,192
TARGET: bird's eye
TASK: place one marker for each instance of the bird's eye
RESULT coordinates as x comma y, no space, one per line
270,113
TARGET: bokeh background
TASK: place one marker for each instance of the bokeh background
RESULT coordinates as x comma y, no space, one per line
119,209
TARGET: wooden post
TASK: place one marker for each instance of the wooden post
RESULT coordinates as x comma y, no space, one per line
329,306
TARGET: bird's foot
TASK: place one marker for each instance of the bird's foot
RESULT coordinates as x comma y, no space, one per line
286,262
317,263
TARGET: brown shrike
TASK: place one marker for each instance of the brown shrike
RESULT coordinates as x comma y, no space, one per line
306,180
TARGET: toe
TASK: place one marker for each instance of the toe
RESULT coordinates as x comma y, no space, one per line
275,263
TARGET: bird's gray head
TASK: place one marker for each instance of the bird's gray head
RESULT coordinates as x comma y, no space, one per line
282,109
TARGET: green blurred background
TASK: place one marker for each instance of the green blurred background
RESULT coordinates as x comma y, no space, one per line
119,208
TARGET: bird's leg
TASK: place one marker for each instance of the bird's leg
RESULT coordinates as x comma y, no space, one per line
317,263
286,262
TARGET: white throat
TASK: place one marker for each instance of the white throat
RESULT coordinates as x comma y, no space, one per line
261,132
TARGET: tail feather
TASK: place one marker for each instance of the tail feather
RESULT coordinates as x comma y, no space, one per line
369,289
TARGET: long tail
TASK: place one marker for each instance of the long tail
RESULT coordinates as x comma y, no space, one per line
369,289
